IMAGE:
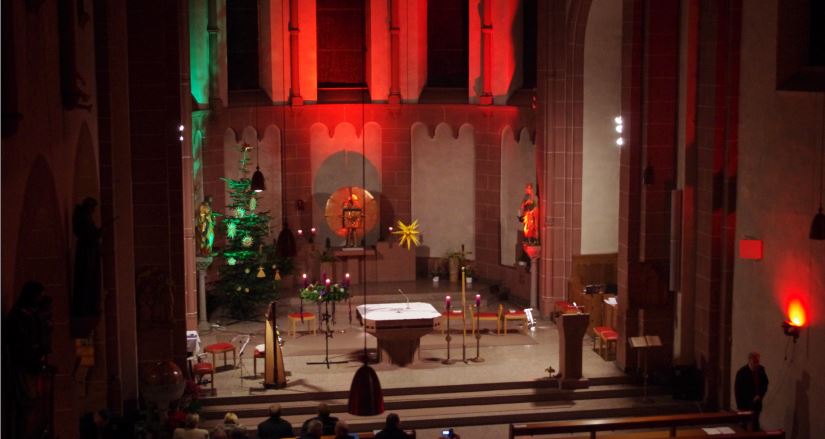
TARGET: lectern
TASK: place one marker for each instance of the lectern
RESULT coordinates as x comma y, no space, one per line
572,328
274,374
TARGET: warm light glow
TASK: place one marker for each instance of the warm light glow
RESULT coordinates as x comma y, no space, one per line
796,313
620,141
618,120
180,127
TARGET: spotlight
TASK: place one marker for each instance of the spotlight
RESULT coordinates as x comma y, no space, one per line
790,330
180,127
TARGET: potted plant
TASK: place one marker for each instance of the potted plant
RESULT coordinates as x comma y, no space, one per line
436,270
455,260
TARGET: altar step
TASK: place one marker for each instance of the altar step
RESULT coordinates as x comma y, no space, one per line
477,404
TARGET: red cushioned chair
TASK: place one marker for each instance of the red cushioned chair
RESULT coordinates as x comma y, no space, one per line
260,352
222,348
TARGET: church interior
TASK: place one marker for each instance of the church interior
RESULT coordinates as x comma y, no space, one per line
494,212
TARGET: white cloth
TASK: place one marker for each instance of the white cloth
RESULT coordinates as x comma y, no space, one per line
193,343
398,311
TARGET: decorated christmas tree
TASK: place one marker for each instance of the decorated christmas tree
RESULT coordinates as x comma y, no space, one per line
250,274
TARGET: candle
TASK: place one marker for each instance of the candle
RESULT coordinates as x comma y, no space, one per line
312,231
327,283
300,232
389,229
448,302
478,301
306,281
346,280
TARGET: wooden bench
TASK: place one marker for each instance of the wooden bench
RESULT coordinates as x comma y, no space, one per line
371,435
637,422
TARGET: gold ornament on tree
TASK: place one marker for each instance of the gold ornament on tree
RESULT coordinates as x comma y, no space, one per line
261,271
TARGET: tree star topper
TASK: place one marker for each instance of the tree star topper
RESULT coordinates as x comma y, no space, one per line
408,234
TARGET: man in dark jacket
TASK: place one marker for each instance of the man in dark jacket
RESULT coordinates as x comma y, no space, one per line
275,427
750,387
326,420
392,430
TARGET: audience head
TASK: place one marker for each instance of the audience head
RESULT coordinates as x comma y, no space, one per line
315,427
230,418
275,410
239,432
341,428
31,293
218,433
323,409
192,420
393,420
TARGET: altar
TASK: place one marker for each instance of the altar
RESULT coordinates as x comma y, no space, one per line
398,327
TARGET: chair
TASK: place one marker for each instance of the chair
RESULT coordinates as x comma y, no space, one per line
222,348
513,315
487,316
202,369
295,317
454,315
260,352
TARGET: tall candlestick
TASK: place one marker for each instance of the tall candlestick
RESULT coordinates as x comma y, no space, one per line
447,299
478,301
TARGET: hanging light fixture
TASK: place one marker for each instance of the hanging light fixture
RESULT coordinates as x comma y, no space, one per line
366,398
258,184
286,246
818,223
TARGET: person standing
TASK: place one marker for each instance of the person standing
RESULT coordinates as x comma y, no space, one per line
750,387
275,427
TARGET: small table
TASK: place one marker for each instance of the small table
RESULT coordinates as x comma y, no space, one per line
398,328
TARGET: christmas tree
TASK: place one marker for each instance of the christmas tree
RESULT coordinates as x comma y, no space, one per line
250,274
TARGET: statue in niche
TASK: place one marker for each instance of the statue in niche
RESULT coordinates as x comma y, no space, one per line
85,304
352,218
528,216
206,227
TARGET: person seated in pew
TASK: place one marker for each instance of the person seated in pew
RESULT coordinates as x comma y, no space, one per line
275,427
342,431
392,429
315,429
326,420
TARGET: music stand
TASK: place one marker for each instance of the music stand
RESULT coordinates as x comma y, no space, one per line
643,344
242,341
326,317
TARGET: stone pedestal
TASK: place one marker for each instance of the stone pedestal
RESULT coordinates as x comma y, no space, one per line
572,328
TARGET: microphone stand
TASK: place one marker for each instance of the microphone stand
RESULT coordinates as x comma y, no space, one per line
405,296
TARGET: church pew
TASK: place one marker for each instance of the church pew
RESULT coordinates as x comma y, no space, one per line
636,422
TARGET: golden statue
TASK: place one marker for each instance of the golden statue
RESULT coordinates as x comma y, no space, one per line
528,215
206,226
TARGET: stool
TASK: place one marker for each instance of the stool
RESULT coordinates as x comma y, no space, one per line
597,330
295,317
222,348
486,316
454,314
260,352
201,369
607,343
514,315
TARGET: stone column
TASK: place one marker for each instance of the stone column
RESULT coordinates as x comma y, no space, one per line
486,97
395,54
294,72
203,263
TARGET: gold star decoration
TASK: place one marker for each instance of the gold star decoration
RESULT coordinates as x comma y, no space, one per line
408,234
